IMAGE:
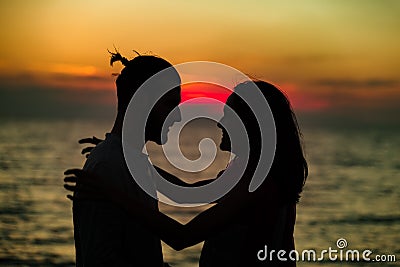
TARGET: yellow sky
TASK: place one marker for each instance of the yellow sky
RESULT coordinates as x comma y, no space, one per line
299,44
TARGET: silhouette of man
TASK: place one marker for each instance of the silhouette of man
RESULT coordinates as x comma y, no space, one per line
105,235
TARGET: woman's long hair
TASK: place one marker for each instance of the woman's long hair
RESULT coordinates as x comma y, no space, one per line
289,168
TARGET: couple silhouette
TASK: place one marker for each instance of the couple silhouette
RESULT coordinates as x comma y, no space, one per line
116,223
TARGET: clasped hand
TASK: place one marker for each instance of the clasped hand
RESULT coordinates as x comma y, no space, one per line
80,182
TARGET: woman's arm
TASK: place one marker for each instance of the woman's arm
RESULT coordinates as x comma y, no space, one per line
204,225
175,180
173,233
231,208
169,230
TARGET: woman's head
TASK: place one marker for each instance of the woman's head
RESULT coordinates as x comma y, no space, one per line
289,168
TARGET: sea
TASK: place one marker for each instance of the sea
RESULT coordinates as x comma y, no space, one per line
352,193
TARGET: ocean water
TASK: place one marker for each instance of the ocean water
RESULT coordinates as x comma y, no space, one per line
353,191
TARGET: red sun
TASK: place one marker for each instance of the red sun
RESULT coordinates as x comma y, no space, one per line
200,89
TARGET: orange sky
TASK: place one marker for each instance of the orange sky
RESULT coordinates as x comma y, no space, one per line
323,54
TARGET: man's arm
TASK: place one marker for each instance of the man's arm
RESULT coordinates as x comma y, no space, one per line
166,175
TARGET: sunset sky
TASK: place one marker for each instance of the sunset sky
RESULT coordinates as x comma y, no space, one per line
328,56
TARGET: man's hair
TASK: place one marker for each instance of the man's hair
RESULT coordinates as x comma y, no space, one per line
134,74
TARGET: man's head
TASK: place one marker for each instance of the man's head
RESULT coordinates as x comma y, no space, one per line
135,73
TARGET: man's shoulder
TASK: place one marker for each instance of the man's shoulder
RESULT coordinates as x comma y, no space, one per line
107,162
110,146
109,151
106,159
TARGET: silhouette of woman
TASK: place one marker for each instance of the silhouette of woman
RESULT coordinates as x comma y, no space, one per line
239,228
